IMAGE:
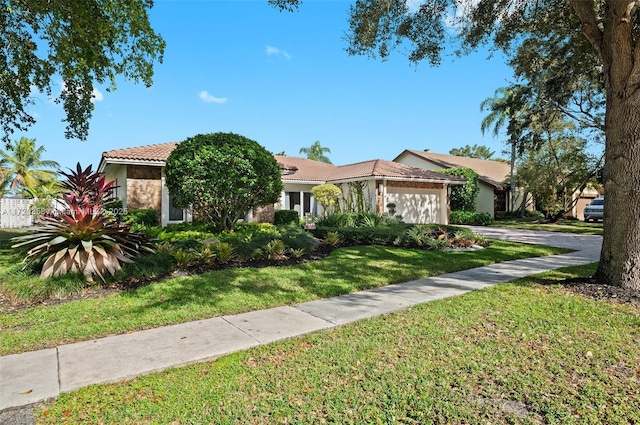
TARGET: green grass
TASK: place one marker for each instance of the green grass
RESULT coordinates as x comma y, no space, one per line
239,290
519,353
562,225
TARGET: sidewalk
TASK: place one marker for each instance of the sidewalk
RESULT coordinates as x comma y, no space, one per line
39,375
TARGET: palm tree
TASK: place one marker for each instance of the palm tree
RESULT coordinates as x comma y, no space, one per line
26,168
507,109
317,152
5,176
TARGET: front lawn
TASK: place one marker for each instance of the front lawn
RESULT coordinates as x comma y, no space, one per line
518,353
562,225
237,290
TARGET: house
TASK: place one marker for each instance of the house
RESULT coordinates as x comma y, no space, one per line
420,195
493,177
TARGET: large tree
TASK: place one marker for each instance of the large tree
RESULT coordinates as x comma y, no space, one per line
80,43
558,170
25,166
475,151
587,43
222,176
317,152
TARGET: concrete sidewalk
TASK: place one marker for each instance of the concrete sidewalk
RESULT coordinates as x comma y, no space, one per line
39,375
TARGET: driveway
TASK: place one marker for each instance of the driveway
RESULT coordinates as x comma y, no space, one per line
589,243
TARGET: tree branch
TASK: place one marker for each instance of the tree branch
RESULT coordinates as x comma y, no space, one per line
591,25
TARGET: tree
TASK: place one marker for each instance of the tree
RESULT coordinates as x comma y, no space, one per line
327,195
558,170
222,176
79,42
509,109
25,165
475,151
316,152
588,43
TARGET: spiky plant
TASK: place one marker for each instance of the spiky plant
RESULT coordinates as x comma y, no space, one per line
82,237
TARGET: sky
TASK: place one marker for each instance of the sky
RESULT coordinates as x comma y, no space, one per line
284,80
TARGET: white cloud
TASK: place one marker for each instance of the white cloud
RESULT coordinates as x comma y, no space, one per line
96,95
275,51
206,97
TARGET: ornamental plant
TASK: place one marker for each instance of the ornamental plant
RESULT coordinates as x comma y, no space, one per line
82,236
221,177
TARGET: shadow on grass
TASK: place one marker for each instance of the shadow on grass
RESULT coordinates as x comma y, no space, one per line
345,271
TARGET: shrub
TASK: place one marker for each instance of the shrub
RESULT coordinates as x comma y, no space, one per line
275,250
224,252
222,176
333,239
146,217
83,237
327,195
470,217
463,197
286,217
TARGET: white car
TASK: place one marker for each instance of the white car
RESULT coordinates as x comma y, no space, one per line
594,211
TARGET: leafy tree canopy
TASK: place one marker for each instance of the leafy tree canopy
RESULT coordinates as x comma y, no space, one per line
327,195
578,55
475,151
463,197
222,176
79,42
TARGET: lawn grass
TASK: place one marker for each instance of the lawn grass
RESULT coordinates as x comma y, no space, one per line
514,353
238,290
562,225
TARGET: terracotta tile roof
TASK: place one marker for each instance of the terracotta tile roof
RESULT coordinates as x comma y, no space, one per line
386,169
494,173
298,169
305,169
314,171
159,152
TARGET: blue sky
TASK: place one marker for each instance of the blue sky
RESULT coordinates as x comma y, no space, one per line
284,80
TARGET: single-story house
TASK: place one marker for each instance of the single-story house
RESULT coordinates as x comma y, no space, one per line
493,177
420,195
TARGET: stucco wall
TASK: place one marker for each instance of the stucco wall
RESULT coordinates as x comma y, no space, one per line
118,173
485,201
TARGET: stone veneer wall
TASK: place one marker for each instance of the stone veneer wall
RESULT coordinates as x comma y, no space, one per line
144,187
264,214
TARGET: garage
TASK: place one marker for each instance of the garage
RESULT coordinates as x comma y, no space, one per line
415,205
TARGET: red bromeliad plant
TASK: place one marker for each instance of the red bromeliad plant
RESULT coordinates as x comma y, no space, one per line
82,237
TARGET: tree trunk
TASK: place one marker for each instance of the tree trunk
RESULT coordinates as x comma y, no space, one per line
512,180
620,256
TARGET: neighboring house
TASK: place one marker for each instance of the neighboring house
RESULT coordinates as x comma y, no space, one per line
493,176
420,196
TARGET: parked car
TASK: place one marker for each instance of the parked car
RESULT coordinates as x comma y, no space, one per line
594,211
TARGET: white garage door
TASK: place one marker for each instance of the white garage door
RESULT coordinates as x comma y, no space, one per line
415,205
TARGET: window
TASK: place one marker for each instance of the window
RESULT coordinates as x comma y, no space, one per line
175,213
303,202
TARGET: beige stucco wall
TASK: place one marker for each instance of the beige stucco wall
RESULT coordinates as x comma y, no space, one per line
118,173
485,201
369,196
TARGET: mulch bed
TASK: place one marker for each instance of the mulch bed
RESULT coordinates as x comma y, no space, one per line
8,305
